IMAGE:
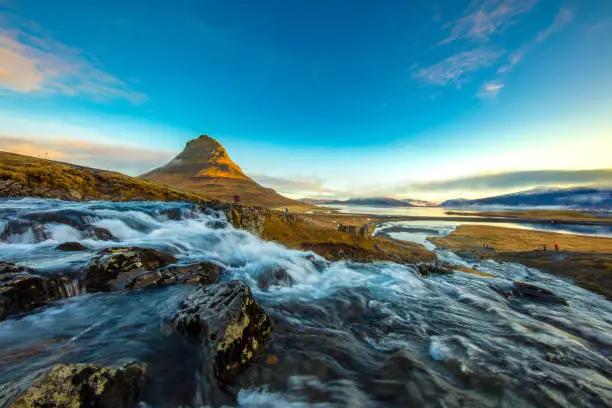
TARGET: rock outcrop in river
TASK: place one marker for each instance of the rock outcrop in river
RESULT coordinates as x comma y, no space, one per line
231,326
84,385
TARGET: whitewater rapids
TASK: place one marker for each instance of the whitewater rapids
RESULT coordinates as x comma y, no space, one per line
346,334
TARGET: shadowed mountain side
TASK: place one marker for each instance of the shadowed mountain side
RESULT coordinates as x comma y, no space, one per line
205,168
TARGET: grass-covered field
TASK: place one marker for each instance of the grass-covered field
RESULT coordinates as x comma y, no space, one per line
557,215
586,259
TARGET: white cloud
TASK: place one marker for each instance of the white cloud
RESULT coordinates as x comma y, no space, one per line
490,89
298,187
484,18
39,64
454,68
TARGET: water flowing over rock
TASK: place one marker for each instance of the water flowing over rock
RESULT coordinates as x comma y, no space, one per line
84,385
21,290
530,291
115,266
274,276
231,326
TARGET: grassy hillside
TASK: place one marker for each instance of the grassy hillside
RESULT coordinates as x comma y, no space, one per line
30,176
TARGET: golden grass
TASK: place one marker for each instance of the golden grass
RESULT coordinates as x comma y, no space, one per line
503,239
34,173
325,240
587,260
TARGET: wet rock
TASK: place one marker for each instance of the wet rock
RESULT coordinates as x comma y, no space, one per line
274,276
114,267
529,291
102,234
85,385
231,326
427,269
204,273
248,218
72,246
216,224
21,290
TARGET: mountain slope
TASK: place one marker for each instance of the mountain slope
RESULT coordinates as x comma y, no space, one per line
26,176
205,168
574,197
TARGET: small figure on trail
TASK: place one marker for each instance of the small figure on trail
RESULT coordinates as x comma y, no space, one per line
236,198
544,246
287,210
556,247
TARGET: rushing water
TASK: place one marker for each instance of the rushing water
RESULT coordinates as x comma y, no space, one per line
346,334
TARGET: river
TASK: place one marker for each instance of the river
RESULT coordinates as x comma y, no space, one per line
346,334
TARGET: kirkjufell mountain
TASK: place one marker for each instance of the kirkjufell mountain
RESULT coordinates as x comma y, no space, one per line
205,168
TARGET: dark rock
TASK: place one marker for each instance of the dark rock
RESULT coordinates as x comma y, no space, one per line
72,246
529,291
216,224
21,290
85,385
116,266
231,326
274,276
99,233
427,269
204,273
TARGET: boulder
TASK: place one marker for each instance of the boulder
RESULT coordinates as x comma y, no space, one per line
274,276
21,290
84,385
114,267
230,325
204,273
248,218
533,292
427,269
72,247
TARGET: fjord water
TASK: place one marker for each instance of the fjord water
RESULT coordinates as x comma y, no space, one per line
346,334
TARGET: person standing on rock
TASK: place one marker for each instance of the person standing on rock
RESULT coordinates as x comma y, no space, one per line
556,247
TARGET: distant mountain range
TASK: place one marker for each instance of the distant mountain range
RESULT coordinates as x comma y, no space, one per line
574,197
371,202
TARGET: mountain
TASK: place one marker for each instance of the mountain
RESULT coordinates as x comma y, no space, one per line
574,197
205,168
372,202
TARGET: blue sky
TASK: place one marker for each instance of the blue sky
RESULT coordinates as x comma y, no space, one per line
316,98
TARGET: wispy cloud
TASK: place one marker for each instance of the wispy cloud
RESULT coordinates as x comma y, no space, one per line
454,68
296,186
562,18
490,89
127,159
39,64
484,18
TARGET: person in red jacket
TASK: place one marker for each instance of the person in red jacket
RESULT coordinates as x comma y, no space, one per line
556,247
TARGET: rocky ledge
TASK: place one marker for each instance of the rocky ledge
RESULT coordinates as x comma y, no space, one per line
84,385
22,290
230,325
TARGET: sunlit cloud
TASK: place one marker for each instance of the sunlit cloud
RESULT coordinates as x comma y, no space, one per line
455,68
39,64
126,159
490,89
484,18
